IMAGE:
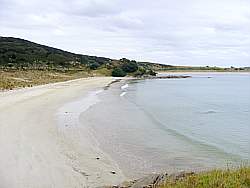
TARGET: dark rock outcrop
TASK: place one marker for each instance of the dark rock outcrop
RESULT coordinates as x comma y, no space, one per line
169,77
152,180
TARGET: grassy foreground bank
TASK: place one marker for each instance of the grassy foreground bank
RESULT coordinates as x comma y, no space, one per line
237,178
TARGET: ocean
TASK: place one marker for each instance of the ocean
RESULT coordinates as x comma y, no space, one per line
170,125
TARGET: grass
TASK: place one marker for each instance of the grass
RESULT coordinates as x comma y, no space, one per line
235,178
102,72
28,78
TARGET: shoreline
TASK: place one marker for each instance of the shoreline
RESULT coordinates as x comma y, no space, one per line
202,72
45,143
34,149
103,167
96,115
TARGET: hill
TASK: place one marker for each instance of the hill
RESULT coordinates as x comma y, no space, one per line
15,52
25,64
18,53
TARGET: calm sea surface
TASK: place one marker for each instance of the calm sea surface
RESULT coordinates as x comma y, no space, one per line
174,124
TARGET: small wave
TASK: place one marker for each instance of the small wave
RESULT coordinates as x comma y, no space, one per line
98,91
124,86
122,94
210,112
68,115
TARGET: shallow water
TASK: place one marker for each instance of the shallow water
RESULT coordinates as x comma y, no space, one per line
174,124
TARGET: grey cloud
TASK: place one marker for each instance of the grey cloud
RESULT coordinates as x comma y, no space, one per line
174,32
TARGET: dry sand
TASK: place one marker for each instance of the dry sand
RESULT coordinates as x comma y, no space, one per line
36,153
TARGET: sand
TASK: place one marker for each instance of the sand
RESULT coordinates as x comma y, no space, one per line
38,151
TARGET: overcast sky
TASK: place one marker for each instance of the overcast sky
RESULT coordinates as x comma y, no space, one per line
180,32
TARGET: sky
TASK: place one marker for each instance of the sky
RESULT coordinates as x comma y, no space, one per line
176,32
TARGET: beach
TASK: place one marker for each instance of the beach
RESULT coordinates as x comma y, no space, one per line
37,151
95,132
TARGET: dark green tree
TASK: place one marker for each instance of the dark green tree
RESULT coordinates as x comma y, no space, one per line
118,72
94,66
130,66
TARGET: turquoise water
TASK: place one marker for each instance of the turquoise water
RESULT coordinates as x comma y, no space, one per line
174,124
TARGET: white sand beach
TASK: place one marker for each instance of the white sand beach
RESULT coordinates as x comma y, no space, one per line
36,152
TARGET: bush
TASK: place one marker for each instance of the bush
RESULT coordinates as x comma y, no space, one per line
130,66
152,73
140,72
118,72
94,65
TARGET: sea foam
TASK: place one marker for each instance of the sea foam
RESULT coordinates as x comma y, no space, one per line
124,86
122,94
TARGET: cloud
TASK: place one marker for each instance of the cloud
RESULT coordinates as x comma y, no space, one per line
194,32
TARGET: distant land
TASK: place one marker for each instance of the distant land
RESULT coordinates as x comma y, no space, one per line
25,64
22,54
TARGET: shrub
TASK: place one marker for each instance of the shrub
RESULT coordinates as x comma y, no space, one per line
129,67
118,72
94,66
152,73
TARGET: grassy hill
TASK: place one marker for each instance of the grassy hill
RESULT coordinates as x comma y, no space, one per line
24,63
18,53
21,54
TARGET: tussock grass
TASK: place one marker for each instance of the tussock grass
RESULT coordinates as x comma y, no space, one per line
28,78
234,178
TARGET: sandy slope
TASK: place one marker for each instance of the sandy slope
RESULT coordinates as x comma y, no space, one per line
35,153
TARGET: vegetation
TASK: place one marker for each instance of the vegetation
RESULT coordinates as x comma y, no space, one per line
19,54
22,54
118,72
238,178
202,69
129,66
29,78
24,63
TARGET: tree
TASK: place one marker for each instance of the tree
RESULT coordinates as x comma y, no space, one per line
129,67
152,73
94,66
118,72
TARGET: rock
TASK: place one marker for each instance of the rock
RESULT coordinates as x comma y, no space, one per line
166,77
180,175
113,172
170,77
152,180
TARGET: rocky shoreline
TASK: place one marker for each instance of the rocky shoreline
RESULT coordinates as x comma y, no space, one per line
152,180
169,77
165,77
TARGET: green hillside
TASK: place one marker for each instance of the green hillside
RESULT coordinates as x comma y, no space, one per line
21,54
25,64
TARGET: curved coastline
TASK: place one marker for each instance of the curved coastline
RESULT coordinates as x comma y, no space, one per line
116,138
100,168
37,153
54,145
